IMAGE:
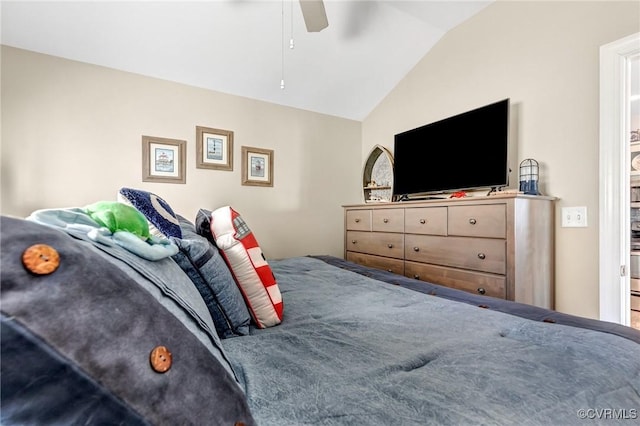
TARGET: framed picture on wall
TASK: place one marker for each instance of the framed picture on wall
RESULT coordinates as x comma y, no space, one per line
163,160
257,166
214,148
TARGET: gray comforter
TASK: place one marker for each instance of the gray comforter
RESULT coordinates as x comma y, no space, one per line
353,350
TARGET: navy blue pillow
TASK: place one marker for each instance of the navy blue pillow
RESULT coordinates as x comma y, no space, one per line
206,268
162,219
203,225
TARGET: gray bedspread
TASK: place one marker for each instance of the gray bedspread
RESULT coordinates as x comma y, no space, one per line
355,351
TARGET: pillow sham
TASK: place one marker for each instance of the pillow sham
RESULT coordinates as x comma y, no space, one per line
162,219
203,264
248,265
76,343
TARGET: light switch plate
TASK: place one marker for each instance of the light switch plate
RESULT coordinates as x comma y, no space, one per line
574,217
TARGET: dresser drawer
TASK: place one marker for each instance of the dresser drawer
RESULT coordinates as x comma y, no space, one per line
358,220
385,263
479,254
387,220
489,220
635,319
425,220
635,302
379,243
473,282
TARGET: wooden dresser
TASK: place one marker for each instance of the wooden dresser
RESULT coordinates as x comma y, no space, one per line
500,246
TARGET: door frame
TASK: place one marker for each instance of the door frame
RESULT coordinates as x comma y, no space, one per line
614,196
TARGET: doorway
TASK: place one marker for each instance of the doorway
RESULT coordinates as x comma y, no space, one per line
616,87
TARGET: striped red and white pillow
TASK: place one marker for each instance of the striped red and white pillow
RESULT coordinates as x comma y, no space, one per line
248,265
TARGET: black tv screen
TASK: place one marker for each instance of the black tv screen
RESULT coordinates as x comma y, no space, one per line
462,152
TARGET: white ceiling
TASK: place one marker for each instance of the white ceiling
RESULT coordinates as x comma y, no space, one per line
241,47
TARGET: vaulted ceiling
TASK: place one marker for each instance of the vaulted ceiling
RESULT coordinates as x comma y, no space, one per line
242,47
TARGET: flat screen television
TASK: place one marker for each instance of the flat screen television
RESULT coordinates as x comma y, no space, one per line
463,152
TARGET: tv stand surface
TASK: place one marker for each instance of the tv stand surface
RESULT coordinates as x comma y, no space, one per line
426,197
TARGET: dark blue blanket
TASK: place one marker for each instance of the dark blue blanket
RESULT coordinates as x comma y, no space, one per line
519,309
355,350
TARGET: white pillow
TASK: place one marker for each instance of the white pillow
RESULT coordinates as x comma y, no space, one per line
248,265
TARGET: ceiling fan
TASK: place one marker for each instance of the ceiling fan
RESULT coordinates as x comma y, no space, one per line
315,17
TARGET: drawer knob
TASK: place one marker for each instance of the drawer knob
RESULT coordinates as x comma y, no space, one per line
481,290
390,245
416,249
385,220
416,276
472,221
423,221
353,241
357,220
481,256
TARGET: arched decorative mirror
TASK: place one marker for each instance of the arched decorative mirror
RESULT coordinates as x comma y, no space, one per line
377,176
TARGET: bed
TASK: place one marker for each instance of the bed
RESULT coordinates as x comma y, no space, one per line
110,337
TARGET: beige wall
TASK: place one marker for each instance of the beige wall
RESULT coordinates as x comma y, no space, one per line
544,56
71,135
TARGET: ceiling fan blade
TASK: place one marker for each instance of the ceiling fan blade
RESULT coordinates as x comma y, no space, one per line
315,17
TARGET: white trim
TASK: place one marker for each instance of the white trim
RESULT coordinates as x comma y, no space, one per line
614,178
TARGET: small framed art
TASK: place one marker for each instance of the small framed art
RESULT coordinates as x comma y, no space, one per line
257,166
163,160
214,148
